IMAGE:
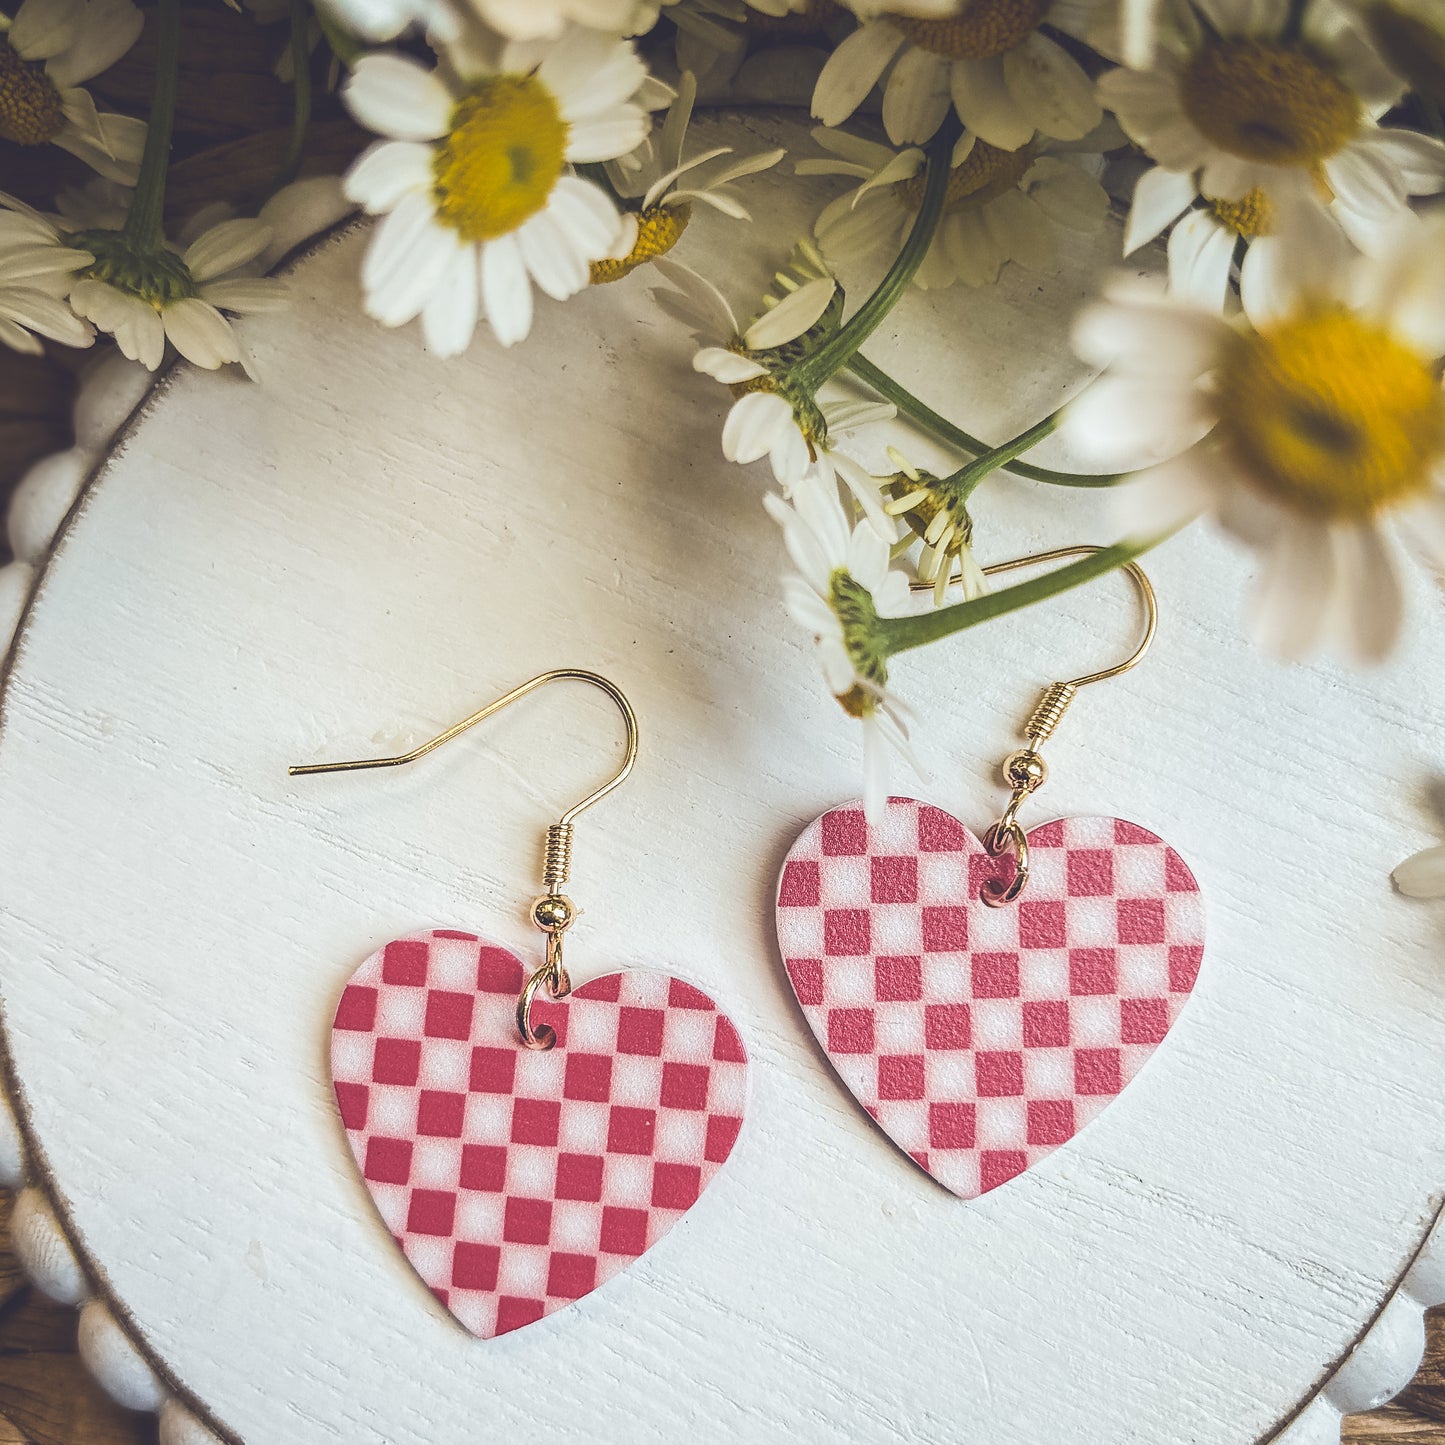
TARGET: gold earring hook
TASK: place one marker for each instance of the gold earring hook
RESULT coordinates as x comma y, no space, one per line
1024,770
557,674
554,913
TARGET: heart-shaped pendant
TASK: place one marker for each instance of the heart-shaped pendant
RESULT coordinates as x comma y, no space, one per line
979,1038
518,1180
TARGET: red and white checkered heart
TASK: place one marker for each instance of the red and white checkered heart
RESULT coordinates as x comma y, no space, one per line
980,1039
514,1180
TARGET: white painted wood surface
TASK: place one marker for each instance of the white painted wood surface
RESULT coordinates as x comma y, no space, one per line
370,544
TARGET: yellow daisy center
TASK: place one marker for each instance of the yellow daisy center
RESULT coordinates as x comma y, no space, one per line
30,112
986,28
1277,103
1414,48
501,157
984,173
1251,216
1331,415
658,231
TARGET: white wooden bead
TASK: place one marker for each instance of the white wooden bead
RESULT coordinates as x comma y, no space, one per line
43,1250
12,1146
41,501
115,1362
1318,1424
16,579
179,1427
107,397
1382,1363
1426,1277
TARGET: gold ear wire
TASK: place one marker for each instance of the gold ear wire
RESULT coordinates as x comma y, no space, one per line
1024,770
1058,695
554,913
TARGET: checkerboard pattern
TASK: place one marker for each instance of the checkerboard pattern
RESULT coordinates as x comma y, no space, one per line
516,1181
980,1039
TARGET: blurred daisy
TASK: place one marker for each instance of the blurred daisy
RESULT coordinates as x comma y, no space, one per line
845,585
663,187
145,300
475,184
990,62
37,269
46,52
1242,109
1001,206
936,508
1311,436
771,416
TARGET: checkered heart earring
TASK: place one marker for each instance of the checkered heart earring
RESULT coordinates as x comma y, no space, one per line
524,1140
984,1000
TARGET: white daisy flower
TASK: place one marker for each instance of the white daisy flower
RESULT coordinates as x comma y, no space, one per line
1422,876
475,184
46,52
1241,107
663,187
770,415
184,297
845,586
1311,436
37,269
1001,206
936,508
990,62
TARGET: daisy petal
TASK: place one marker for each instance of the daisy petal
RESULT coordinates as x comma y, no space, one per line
1422,876
554,262
727,366
107,32
449,318
506,291
200,333
585,213
1160,196
917,96
792,316
985,105
852,70
43,28
386,171
225,247
1201,255
752,426
1050,89
397,97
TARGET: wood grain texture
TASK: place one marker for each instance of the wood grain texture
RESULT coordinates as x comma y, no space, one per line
371,543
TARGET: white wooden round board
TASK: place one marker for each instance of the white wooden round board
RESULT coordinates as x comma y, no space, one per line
369,544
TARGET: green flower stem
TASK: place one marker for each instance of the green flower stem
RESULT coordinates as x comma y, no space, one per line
144,228
838,350
300,95
900,634
955,436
